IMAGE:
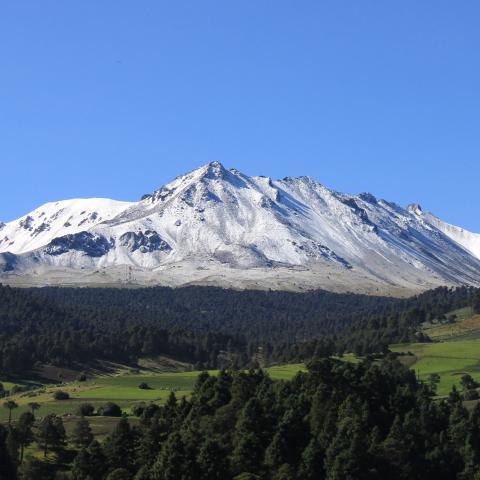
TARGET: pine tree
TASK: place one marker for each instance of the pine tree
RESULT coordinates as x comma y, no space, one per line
459,426
151,441
476,302
284,472
33,469
24,431
51,433
192,439
97,460
170,463
288,440
311,465
212,461
10,405
89,463
12,445
34,406
81,466
82,433
345,455
7,466
248,440
119,446
143,473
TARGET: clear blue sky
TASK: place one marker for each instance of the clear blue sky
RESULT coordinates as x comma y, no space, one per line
116,97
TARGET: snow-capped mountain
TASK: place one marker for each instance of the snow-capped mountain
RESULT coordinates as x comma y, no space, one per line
54,219
219,226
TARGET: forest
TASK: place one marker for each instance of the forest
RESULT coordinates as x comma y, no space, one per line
208,327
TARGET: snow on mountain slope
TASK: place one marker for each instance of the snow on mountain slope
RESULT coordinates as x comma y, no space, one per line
54,219
468,240
220,226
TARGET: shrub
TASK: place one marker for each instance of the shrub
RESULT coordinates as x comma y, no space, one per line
61,395
468,383
138,410
82,377
471,395
110,409
144,386
85,410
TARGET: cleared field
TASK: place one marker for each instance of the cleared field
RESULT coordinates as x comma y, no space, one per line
285,372
449,359
122,389
465,327
468,329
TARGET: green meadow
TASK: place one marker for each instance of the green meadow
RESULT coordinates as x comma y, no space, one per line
122,389
450,360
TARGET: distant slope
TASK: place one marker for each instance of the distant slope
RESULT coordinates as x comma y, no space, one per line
56,219
470,241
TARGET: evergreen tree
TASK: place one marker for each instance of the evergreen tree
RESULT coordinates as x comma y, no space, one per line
81,465
170,463
82,433
10,405
311,466
476,302
119,446
34,469
154,434
51,433
13,446
248,440
89,463
24,431
7,465
287,442
33,406
284,472
344,458
212,461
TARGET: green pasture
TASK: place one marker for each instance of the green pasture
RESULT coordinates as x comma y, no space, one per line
122,389
450,360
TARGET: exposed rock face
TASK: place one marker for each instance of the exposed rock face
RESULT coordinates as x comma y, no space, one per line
148,241
90,244
415,208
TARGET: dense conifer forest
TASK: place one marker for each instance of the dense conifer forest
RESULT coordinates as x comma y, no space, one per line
208,327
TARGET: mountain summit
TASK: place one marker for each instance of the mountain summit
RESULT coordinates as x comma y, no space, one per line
222,227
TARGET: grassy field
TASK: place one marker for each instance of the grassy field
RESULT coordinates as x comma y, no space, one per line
454,352
121,389
449,359
466,327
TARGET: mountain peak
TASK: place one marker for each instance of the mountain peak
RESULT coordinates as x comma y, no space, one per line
213,170
415,208
368,197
